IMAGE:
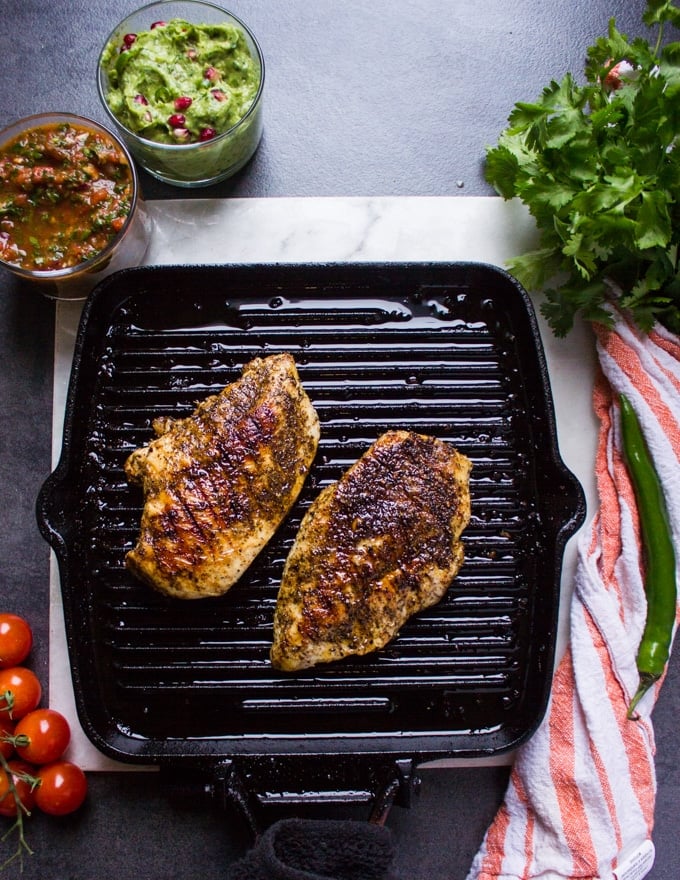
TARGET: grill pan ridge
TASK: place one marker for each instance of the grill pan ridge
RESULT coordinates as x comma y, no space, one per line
451,350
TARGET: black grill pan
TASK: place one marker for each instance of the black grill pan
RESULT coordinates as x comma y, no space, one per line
451,350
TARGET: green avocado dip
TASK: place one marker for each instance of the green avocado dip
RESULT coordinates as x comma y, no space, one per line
181,83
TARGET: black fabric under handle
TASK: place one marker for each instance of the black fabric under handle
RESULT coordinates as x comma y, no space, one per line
309,849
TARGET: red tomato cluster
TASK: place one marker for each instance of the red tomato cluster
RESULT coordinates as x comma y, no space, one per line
33,740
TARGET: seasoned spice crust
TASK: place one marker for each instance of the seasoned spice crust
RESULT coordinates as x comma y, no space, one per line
218,484
374,548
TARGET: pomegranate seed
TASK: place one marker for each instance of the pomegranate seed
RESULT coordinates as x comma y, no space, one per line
182,103
618,76
176,120
218,94
158,24
181,134
211,74
140,99
206,134
129,39
192,54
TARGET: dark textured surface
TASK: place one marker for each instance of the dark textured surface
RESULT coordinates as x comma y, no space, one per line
365,97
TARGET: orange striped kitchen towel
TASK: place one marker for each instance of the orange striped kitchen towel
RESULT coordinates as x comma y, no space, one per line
580,801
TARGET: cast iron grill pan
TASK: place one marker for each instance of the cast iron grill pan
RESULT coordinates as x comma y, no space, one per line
451,350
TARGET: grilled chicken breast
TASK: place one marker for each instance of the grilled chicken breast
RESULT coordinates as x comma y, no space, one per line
374,548
218,484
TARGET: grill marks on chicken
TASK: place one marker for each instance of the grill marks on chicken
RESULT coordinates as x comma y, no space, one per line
373,549
219,483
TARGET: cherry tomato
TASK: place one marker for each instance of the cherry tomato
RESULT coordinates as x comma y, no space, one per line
20,692
24,788
62,787
16,640
42,736
6,733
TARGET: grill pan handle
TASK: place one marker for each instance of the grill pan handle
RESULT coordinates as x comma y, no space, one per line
399,788
237,787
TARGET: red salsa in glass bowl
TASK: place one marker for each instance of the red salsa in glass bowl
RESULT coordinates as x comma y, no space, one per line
70,208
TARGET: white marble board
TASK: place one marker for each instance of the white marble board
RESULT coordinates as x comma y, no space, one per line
487,230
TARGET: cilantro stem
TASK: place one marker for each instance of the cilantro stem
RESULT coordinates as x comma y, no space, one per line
659,38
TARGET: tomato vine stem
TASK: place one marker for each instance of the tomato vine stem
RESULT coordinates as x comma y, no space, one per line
18,824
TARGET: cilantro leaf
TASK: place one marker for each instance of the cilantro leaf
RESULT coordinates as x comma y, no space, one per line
654,221
659,11
502,166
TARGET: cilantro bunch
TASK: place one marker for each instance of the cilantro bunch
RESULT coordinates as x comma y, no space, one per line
598,166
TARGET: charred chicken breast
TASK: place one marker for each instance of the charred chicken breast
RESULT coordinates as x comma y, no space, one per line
374,548
218,483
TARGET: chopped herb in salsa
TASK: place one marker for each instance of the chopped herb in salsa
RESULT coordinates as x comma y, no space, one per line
66,191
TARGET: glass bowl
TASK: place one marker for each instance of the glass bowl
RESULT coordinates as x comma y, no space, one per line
197,119
71,211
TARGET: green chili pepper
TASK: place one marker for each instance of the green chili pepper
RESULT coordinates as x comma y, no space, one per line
659,555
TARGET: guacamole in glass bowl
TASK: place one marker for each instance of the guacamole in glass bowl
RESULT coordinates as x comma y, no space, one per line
183,81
